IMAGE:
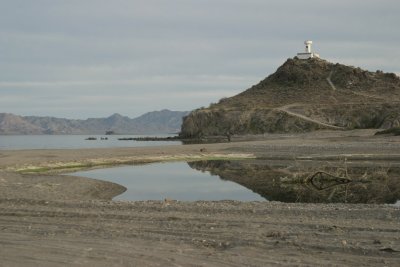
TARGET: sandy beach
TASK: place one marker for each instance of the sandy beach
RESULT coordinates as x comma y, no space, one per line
49,218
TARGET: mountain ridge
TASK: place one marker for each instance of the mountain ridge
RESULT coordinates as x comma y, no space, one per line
164,121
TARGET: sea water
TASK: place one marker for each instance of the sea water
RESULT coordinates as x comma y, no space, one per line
20,142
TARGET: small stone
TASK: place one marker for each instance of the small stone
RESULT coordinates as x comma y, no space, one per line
388,250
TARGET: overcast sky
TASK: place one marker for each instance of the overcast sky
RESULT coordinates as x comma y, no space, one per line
93,58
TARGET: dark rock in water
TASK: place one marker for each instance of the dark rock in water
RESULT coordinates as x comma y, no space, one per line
301,96
91,138
149,138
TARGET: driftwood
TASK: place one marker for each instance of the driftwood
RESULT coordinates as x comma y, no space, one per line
322,180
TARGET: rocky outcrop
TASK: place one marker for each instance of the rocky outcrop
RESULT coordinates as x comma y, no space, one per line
303,95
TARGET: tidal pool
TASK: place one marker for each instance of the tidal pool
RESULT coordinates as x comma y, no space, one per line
175,180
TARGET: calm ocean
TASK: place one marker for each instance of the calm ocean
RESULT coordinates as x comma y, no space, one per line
19,142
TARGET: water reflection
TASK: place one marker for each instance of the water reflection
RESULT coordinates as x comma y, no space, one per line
312,182
174,180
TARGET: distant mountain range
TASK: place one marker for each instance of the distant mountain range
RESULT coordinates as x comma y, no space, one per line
156,122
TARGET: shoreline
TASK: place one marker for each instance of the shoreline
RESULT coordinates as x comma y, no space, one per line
61,220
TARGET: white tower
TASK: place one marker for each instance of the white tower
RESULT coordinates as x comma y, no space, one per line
308,46
308,52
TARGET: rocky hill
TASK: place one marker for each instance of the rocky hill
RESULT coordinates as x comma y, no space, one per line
164,121
303,95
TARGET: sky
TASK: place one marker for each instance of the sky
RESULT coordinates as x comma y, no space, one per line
92,58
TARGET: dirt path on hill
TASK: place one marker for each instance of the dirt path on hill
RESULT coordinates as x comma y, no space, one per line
54,220
330,81
291,113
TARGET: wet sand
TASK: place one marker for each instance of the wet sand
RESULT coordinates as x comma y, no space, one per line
56,220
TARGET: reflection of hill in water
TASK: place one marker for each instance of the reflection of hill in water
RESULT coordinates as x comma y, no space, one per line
288,183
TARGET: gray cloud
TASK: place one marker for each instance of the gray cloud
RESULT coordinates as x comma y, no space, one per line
94,57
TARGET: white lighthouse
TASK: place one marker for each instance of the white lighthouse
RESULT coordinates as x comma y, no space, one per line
308,51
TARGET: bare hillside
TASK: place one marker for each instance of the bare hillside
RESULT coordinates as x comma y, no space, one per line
304,95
